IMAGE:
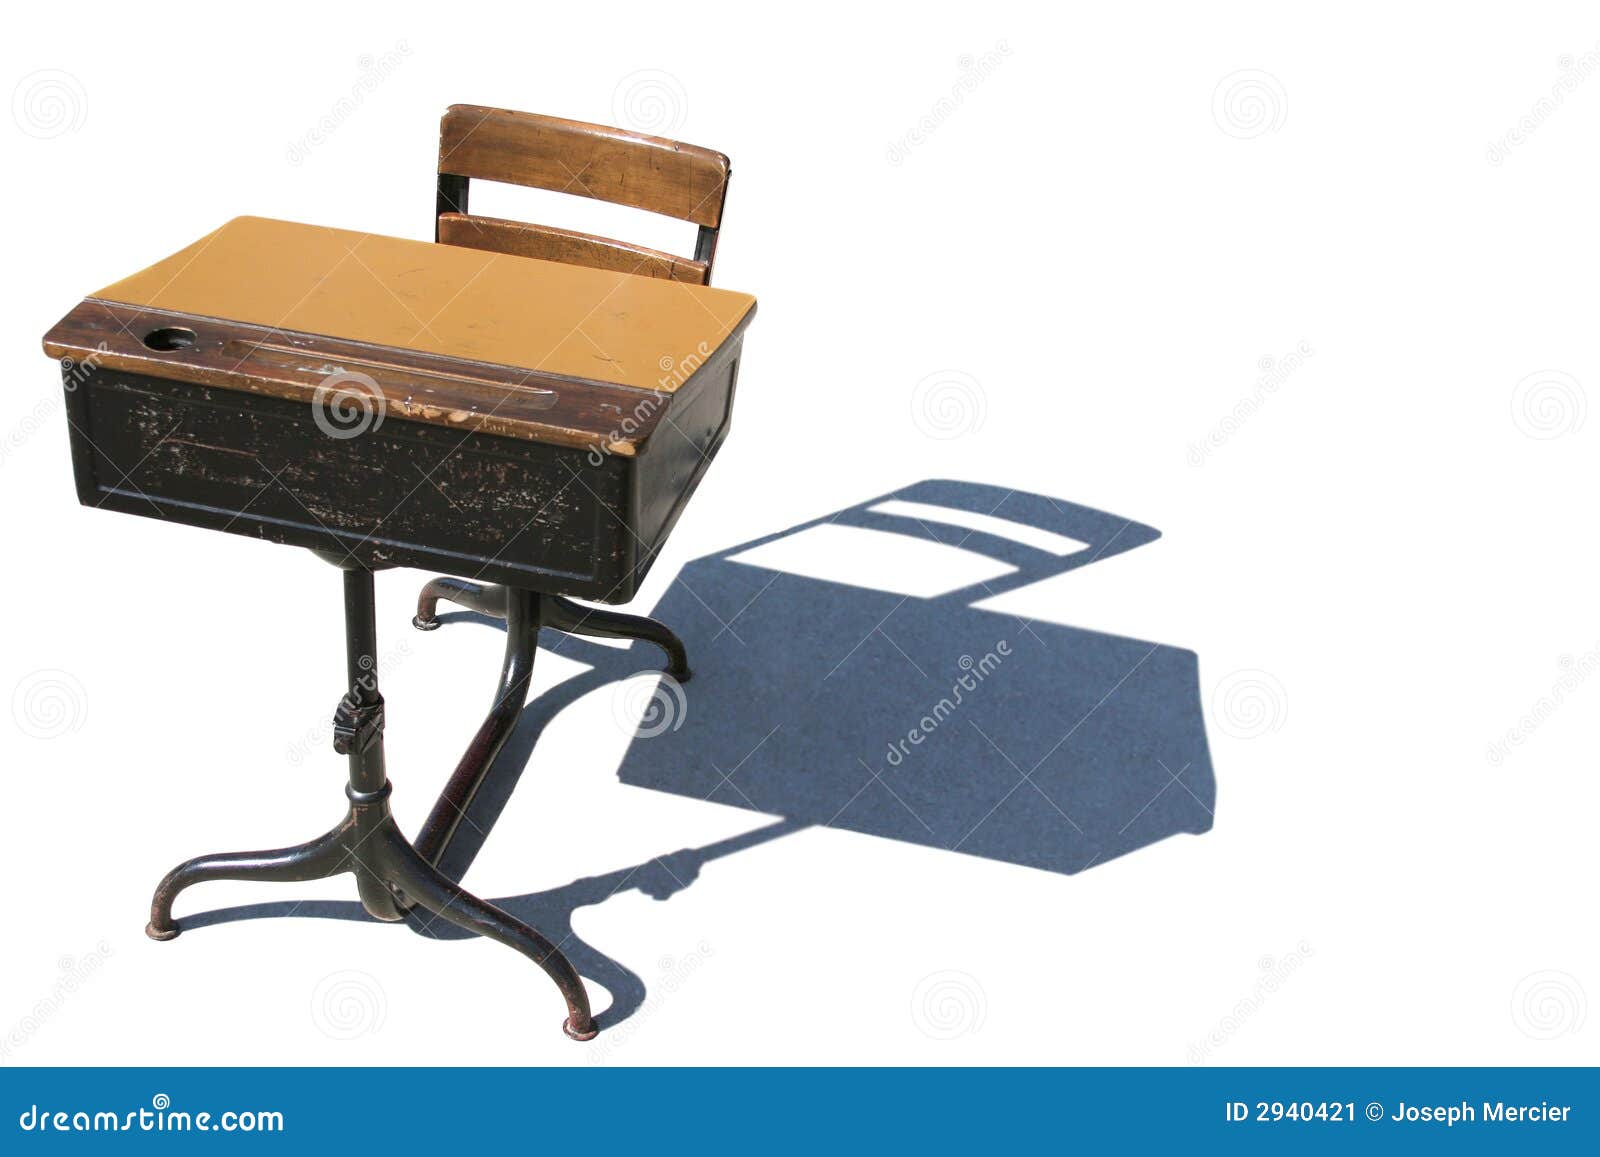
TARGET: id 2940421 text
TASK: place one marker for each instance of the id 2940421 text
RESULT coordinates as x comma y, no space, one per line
1404,1113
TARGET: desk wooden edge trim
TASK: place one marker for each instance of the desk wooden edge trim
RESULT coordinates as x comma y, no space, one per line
415,386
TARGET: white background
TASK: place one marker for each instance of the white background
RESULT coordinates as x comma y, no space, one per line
1108,235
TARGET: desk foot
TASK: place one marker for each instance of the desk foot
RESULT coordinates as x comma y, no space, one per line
555,612
369,844
428,888
317,860
392,876
566,615
486,600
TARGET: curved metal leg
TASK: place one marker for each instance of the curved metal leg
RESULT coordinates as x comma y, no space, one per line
486,600
516,672
565,615
557,612
426,886
391,874
315,860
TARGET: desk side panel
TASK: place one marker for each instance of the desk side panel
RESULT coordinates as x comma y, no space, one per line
399,493
679,450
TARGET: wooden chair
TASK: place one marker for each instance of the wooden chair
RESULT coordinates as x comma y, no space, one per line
607,164
624,168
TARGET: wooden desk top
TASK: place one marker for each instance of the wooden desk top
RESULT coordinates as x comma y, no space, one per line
480,340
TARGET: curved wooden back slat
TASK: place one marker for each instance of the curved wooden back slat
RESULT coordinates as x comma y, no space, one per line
548,243
608,164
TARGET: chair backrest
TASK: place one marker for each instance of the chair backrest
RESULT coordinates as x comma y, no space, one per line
607,164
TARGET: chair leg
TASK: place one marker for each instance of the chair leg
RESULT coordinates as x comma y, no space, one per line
565,615
429,888
486,600
315,860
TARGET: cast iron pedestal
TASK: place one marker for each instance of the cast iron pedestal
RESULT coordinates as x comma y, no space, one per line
393,874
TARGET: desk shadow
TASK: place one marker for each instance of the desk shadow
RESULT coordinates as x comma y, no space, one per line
909,715
925,718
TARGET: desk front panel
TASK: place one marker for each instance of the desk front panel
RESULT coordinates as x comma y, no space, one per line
553,518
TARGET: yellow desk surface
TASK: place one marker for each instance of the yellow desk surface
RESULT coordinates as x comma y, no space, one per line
540,316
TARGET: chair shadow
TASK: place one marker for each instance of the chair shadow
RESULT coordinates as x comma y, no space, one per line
916,717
